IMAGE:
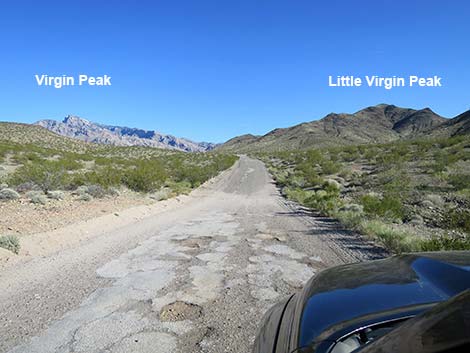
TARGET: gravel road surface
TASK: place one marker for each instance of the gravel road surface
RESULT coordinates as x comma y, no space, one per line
194,279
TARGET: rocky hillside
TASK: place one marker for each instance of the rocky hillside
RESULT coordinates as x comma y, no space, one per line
82,129
377,124
460,125
37,136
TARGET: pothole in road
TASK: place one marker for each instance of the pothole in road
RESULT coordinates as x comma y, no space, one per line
179,311
190,243
266,236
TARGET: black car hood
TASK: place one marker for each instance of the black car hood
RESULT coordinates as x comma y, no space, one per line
348,292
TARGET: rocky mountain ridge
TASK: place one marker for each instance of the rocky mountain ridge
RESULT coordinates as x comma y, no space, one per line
376,124
85,130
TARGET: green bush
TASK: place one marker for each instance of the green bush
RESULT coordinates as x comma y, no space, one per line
297,181
180,187
297,194
445,243
56,195
388,207
329,167
392,239
97,191
26,157
48,176
457,219
326,201
69,164
10,242
162,194
350,219
8,194
465,193
145,177
459,181
314,157
194,175
37,197
85,197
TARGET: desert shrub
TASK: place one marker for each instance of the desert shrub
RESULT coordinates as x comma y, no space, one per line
81,190
350,219
314,157
9,194
465,193
180,187
10,242
386,159
326,201
459,181
313,179
445,243
113,192
297,181
350,153
48,176
97,191
106,177
443,159
282,178
145,177
37,197
352,207
85,197
139,168
56,195
223,161
297,194
3,186
196,175
435,199
329,167
389,207
27,157
75,180
27,186
393,239
68,164
457,219
370,153
332,186
309,173
396,181
162,194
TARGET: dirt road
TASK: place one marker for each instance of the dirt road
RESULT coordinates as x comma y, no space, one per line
194,279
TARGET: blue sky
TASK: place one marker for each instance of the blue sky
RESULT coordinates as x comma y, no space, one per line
211,70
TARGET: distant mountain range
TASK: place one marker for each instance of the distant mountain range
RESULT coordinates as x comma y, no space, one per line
82,129
376,124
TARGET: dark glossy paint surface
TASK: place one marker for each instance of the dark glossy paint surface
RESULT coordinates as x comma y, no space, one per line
347,292
445,327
